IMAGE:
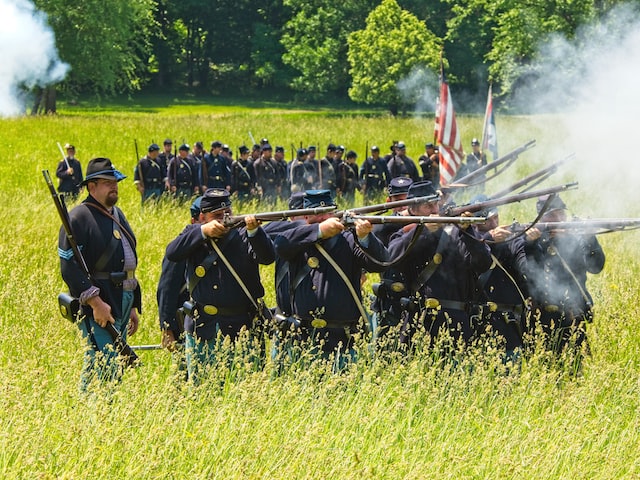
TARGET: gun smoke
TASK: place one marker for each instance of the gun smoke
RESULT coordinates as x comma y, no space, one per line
29,55
590,83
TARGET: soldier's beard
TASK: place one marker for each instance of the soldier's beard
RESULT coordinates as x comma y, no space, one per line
111,199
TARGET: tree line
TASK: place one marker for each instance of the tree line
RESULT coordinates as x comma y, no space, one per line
359,49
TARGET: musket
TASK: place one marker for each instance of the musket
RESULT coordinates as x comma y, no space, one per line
349,219
138,166
64,157
455,211
234,221
591,226
509,157
119,343
540,175
385,207
253,140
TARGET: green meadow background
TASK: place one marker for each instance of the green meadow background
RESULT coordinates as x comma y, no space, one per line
419,418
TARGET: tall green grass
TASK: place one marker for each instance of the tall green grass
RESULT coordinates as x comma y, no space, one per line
420,418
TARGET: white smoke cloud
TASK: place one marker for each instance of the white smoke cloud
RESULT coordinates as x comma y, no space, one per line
28,52
593,81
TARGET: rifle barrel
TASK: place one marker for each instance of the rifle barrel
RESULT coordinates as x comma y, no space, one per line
496,163
384,207
591,225
540,174
234,221
476,207
408,219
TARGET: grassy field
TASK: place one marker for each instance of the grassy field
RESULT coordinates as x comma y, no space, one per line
421,418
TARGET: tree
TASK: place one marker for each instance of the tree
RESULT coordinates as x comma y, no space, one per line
105,43
393,44
521,28
315,41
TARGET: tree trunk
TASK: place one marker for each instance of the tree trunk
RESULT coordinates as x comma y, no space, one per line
50,96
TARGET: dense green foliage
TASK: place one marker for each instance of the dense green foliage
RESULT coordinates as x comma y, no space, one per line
423,418
380,60
249,47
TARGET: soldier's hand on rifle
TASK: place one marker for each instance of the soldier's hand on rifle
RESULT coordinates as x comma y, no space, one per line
214,229
132,327
251,222
69,171
363,228
468,225
140,188
101,311
168,340
500,234
331,227
533,234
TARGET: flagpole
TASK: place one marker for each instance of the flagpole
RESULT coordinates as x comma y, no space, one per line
489,134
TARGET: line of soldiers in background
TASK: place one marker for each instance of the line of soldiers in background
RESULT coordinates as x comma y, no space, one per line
262,172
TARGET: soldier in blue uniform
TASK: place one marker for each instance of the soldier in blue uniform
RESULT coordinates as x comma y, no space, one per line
440,271
502,289
374,175
243,177
165,157
402,166
223,277
69,172
325,295
267,174
217,168
172,292
558,265
149,175
111,294
386,305
182,176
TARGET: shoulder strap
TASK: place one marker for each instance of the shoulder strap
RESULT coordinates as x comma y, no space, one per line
431,267
208,261
345,279
235,275
115,218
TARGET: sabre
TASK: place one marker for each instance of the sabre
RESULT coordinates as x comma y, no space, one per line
64,157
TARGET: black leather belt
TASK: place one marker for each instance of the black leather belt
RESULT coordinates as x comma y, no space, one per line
450,304
322,323
213,310
115,277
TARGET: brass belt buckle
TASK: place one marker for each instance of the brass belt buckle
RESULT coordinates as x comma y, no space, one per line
210,309
318,323
493,307
397,287
551,308
432,303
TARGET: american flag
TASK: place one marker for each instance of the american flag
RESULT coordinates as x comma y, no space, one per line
489,133
447,134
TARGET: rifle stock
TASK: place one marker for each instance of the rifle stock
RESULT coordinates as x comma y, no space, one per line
496,202
118,342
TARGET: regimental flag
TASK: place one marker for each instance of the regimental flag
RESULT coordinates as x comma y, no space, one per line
447,134
489,133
